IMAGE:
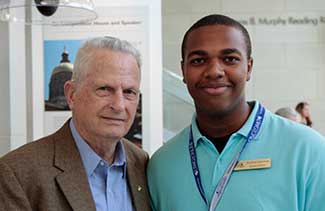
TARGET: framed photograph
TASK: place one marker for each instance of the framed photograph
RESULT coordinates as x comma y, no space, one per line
59,56
60,48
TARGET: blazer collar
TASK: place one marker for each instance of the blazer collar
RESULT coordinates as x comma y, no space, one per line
73,180
136,175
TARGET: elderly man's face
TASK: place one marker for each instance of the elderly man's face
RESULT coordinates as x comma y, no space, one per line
104,102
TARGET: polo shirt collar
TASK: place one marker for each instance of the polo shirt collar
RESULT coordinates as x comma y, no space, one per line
244,130
196,134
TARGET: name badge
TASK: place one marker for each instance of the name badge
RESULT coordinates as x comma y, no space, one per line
253,164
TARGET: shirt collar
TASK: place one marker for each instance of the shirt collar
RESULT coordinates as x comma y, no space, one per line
197,135
244,130
91,159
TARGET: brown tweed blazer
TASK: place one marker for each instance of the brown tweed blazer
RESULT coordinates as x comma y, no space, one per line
48,175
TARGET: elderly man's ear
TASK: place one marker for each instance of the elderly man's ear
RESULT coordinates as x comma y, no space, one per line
69,91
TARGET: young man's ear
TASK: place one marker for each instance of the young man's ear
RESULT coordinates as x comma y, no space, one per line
69,90
250,62
182,66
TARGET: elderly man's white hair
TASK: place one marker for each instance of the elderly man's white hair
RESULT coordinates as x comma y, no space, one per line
85,53
288,113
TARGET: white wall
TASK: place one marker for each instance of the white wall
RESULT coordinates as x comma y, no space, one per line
289,63
13,123
21,80
4,90
17,84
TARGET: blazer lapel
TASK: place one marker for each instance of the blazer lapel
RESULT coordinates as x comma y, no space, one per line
73,180
136,176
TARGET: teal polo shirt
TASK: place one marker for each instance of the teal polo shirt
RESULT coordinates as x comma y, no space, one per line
295,181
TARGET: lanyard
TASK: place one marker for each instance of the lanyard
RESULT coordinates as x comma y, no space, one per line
226,176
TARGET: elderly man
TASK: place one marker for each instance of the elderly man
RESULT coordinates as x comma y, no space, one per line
235,155
86,165
288,113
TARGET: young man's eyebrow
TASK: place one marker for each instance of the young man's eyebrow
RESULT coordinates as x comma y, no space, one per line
230,51
198,53
224,52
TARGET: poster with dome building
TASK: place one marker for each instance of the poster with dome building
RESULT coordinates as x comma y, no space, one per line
59,57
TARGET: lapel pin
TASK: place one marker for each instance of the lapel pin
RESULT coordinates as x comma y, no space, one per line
139,188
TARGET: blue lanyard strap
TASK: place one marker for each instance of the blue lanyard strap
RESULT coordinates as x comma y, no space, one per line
226,176
195,168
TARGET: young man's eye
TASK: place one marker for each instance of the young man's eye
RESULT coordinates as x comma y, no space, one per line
231,59
197,61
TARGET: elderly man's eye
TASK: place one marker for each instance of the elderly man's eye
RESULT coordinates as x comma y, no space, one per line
131,94
102,91
103,88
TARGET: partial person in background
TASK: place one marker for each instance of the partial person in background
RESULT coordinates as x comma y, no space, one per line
303,109
235,154
86,165
288,113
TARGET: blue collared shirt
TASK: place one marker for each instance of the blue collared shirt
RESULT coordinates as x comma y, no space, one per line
295,180
108,183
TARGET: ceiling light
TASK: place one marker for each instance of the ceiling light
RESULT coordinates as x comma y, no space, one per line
48,12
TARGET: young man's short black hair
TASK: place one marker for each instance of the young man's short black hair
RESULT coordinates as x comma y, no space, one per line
217,19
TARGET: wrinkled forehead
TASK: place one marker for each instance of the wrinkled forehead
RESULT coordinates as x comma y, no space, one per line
108,65
113,61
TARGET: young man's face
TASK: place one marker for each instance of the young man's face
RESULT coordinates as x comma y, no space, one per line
216,68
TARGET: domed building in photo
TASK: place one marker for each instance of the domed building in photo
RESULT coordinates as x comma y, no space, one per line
60,74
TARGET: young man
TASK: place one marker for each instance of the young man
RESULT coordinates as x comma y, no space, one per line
235,155
86,165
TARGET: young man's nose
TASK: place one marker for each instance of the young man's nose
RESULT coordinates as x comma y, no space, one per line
214,70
